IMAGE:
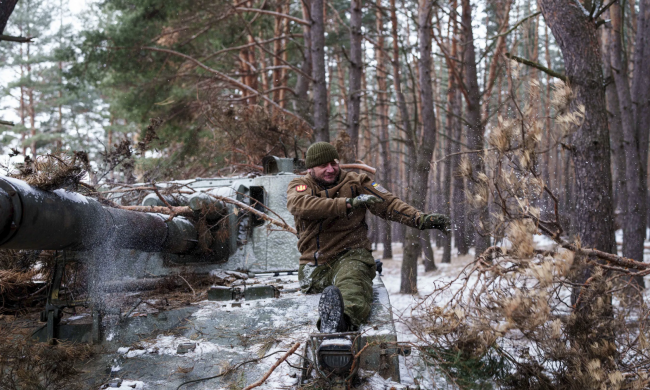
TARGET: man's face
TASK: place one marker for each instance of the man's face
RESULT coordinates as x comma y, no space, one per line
326,173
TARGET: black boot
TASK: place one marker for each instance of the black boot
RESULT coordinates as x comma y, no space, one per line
330,309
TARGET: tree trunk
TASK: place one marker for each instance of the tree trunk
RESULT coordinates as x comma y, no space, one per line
459,214
446,181
576,36
499,50
356,69
428,257
475,125
302,83
321,111
6,8
401,100
641,85
419,184
634,227
614,120
382,109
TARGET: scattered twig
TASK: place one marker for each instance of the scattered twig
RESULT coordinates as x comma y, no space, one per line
269,372
188,285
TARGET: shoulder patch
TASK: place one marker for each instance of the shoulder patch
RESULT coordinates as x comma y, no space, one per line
379,188
301,187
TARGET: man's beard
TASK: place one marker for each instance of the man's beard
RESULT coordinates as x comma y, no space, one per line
325,184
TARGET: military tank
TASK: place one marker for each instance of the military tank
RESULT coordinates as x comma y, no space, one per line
232,338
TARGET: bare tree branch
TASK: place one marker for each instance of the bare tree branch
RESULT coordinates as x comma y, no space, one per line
262,11
544,69
16,39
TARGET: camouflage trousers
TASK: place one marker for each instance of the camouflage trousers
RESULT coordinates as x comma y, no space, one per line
352,272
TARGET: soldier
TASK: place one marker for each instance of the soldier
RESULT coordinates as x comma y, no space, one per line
329,207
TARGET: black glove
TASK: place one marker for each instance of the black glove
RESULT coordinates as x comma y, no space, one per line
435,221
363,200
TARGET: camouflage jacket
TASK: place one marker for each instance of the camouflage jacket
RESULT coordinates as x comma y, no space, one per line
326,227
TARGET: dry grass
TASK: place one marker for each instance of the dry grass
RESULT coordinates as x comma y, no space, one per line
29,365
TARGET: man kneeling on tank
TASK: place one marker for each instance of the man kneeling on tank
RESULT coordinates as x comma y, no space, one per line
329,207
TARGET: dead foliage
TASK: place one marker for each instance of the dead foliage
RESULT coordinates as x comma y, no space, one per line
149,134
51,171
30,365
523,318
119,155
251,132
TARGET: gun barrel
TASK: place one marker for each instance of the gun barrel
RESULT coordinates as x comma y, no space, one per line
41,220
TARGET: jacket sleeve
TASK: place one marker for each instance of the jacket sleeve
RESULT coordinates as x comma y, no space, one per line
304,205
392,208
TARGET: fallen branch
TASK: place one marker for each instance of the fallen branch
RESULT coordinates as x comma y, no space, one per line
269,372
618,260
260,214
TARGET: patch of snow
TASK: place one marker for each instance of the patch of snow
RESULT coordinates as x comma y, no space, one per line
110,336
345,342
73,196
77,317
135,352
23,186
130,385
116,368
123,350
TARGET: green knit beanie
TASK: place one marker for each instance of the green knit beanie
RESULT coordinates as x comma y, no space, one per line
320,153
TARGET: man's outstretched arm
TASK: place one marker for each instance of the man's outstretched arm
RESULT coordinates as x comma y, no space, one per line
394,209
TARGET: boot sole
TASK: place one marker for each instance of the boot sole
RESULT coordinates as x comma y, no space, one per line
330,309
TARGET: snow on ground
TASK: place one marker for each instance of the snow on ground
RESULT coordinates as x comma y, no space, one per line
412,369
